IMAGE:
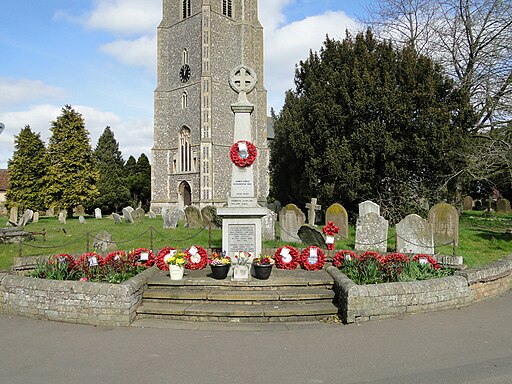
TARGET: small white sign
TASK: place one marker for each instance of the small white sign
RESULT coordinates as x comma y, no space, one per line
116,257
423,260
348,257
173,252
240,272
242,150
285,254
196,258
313,256
144,256
192,251
329,240
93,261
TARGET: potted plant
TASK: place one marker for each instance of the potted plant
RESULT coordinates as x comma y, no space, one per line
176,262
263,266
220,265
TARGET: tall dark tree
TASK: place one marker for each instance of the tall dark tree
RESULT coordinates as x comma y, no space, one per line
26,171
138,178
367,121
113,193
72,174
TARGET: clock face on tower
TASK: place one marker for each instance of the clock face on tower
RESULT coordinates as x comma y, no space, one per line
185,73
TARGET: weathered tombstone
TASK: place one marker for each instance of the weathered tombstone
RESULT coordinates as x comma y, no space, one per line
98,214
467,203
81,220
371,233
26,217
35,219
139,214
268,225
291,218
309,235
339,216
194,218
50,212
368,206
503,206
127,214
13,215
209,215
103,242
117,218
444,219
312,208
414,235
62,217
79,210
151,215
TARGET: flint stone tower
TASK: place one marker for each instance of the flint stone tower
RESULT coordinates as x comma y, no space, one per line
199,43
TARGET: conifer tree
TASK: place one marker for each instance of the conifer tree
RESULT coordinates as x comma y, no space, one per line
26,171
138,178
72,174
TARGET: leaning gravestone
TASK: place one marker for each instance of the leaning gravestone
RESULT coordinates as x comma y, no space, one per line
81,220
309,235
339,216
291,218
139,214
414,235
371,233
467,203
103,242
368,206
444,219
151,215
127,214
268,225
27,216
209,215
502,206
13,215
194,218
98,214
117,218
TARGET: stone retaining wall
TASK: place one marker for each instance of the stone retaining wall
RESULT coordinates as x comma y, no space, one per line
378,301
73,301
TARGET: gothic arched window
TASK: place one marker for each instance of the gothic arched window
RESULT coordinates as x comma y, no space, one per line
184,57
227,8
186,8
185,150
184,100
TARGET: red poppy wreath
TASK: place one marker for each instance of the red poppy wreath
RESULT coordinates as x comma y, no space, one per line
197,258
142,256
243,153
312,258
287,257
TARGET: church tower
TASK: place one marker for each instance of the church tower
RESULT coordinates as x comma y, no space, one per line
199,43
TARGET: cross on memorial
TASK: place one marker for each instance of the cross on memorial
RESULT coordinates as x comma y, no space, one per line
312,208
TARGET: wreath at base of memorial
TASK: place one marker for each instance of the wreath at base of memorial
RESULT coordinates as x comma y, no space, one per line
197,258
142,257
341,256
252,153
307,257
287,260
159,260
90,260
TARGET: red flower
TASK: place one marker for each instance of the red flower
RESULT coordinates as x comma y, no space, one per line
64,257
89,260
371,255
235,155
138,257
341,256
330,229
200,255
395,258
305,258
289,262
428,259
159,260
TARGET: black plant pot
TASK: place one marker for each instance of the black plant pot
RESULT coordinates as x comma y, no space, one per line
262,272
220,272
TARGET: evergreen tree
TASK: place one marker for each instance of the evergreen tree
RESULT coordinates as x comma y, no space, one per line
113,193
367,121
26,171
72,174
138,179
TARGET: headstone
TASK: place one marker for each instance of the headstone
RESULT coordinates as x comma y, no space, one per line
127,214
467,203
444,219
27,216
194,218
103,242
503,206
368,206
268,225
209,215
13,215
139,214
309,235
79,210
81,220
151,215
62,217
371,233
339,216
117,218
291,218
35,219
50,212
478,205
312,208
414,235
98,214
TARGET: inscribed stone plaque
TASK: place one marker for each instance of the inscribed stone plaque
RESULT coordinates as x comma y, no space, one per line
339,216
242,238
194,218
368,206
291,218
467,203
414,235
444,219
503,206
371,233
242,183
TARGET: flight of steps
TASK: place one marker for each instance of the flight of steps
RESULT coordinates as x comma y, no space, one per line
287,296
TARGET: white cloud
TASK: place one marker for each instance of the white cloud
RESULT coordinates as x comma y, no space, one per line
15,91
139,52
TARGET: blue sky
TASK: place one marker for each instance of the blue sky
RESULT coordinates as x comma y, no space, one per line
99,56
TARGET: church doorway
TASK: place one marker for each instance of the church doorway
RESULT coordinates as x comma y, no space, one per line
184,195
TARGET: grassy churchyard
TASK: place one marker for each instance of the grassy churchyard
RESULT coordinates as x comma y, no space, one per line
483,239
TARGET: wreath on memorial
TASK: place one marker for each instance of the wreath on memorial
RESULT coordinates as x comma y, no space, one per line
342,256
159,260
287,261
197,258
307,256
330,231
239,161
90,260
424,259
142,257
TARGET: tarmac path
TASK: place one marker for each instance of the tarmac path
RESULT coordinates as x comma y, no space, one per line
472,345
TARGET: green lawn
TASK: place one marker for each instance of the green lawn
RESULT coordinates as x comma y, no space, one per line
482,239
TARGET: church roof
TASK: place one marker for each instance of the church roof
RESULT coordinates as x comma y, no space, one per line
3,179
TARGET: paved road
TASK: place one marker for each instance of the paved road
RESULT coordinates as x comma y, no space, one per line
472,345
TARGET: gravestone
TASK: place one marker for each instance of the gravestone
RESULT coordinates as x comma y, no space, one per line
139,214
98,214
35,219
503,206
103,242
13,215
368,206
194,218
414,235
268,225
478,205
467,203
50,212
312,208
81,219
444,219
117,218
339,216
371,233
127,214
151,215
309,235
209,215
79,210
62,217
26,217
291,218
